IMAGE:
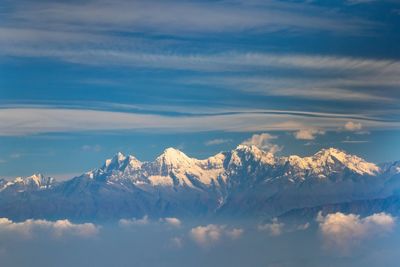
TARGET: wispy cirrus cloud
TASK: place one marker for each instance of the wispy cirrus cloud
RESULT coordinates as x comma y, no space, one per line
91,148
137,35
28,121
335,86
195,17
217,141
356,2
350,78
230,61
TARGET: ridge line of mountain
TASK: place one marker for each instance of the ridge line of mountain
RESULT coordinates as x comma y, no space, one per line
170,152
245,181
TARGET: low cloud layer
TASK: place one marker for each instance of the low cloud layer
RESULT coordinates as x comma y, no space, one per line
158,243
56,229
346,230
212,233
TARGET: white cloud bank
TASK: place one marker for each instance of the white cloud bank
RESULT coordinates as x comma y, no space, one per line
56,229
346,230
212,233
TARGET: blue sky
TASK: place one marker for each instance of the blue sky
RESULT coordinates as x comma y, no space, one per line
80,81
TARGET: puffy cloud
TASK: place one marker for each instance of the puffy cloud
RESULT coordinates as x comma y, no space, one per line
308,134
235,233
62,227
57,228
303,227
263,141
218,141
274,228
353,126
172,221
260,140
133,221
204,235
212,233
126,223
345,230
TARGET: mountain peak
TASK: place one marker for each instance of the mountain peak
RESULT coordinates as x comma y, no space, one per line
117,159
246,147
37,178
253,149
329,152
134,162
172,157
256,153
172,154
330,156
119,156
172,150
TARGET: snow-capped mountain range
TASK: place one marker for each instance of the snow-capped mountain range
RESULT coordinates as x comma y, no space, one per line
246,181
30,183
